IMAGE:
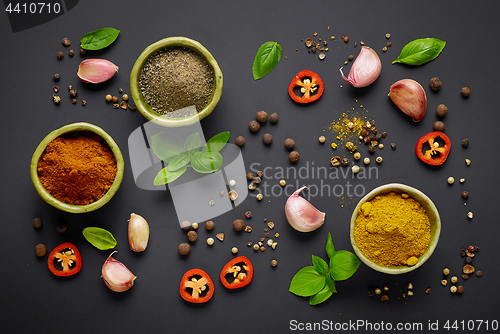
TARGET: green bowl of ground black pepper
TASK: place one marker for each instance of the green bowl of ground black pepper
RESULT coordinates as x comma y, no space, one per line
77,168
173,75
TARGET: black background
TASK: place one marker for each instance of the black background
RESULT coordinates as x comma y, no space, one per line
33,300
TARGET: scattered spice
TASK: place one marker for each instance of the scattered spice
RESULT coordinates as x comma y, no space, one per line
210,241
82,52
40,250
273,118
446,271
322,139
451,180
233,195
71,53
184,248
470,215
192,236
267,138
460,289
465,91
479,273
454,279
293,156
444,282
37,223
234,250
428,290
195,226
220,236
465,194
274,263
468,269
259,197
77,168
261,116
441,110
209,225
289,143
66,41
435,84
240,140
378,291
60,55
385,297
61,228
248,214
254,126
84,103
453,289
175,78
56,77
465,142
467,162
439,126
239,225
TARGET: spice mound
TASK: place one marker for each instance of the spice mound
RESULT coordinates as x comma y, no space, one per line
175,78
392,230
77,168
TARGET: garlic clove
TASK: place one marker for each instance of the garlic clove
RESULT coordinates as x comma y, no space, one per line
116,276
409,96
365,69
301,214
138,233
96,70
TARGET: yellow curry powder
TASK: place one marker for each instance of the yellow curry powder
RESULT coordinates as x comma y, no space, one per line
392,230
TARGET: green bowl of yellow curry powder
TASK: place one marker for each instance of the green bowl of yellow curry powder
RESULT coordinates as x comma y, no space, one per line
395,228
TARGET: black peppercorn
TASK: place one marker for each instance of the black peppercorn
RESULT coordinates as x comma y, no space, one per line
249,176
479,273
71,53
254,126
463,253
60,55
468,260
373,129
435,84
393,146
73,101
61,228
267,138
350,58
260,173
384,134
37,223
66,41
72,93
465,194
371,148
378,136
465,142
345,162
261,116
371,293
82,52
290,143
56,76
240,140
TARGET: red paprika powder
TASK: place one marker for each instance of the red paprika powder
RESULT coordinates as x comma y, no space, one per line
77,168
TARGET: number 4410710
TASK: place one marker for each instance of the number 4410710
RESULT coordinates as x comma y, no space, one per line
33,8
471,325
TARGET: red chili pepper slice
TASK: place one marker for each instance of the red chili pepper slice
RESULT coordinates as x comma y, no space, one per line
436,154
237,273
196,286
68,257
310,85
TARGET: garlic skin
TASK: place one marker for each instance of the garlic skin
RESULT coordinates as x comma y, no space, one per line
96,70
138,233
409,96
116,276
365,69
301,214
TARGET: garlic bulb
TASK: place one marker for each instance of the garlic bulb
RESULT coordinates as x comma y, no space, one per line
409,96
301,214
116,276
138,233
96,70
365,69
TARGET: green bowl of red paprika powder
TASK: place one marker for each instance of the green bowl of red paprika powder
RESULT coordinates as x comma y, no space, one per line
77,168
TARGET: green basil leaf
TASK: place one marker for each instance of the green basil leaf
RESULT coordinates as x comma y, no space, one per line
343,265
166,145
321,296
99,238
217,142
206,162
177,162
330,250
192,143
267,58
307,282
320,265
99,39
420,51
331,283
165,176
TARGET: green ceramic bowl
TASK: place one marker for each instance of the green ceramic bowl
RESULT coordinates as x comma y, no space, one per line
431,211
146,110
44,194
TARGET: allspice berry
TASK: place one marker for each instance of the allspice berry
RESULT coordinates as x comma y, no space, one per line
267,138
254,126
273,118
37,223
239,225
184,248
290,143
261,116
465,91
438,126
441,110
435,84
293,156
209,225
40,250
240,140
192,236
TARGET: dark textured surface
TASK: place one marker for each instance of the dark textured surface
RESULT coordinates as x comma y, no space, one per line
33,300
